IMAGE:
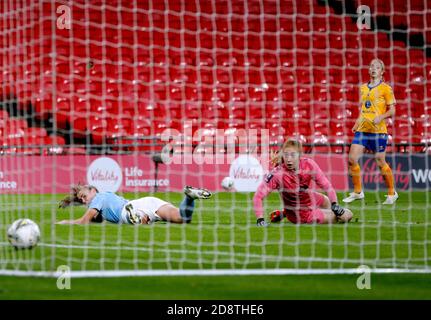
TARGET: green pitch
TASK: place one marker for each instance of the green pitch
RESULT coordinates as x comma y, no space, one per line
223,236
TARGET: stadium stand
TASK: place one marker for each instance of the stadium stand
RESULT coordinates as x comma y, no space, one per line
117,80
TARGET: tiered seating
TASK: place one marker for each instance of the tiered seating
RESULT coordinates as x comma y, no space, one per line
403,15
17,137
276,70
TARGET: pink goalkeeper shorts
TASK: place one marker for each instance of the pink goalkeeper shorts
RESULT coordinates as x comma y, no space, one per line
314,215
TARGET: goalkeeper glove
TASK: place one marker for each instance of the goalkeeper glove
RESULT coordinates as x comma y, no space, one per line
276,216
337,209
262,223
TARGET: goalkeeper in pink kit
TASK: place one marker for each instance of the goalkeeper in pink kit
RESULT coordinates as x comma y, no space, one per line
292,177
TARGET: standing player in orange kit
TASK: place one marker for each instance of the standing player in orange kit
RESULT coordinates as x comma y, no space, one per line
377,104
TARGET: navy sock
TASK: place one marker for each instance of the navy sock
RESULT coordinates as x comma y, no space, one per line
186,208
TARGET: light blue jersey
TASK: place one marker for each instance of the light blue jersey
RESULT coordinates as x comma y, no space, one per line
109,205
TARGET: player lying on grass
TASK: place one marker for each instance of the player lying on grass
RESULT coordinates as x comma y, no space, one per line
113,208
292,177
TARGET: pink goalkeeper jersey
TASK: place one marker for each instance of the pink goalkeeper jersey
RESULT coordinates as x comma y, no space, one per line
294,186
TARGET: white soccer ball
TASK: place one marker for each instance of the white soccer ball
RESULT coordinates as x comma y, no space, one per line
23,234
227,183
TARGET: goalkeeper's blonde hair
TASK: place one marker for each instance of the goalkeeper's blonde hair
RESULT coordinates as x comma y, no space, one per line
277,157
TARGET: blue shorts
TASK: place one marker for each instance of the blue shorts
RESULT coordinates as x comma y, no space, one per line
375,142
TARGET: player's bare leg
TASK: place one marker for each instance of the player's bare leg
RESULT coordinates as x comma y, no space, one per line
326,203
388,176
187,206
346,216
356,151
170,213
330,217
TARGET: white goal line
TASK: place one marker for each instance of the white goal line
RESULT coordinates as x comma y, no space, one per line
219,272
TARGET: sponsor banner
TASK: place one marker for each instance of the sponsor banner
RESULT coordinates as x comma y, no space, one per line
137,173
410,172
246,172
105,174
122,173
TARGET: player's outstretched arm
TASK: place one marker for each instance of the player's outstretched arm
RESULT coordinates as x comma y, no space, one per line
85,219
262,191
342,214
323,182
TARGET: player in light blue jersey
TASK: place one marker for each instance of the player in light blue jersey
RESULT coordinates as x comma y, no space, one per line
113,208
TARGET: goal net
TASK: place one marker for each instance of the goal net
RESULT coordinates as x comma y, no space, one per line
143,98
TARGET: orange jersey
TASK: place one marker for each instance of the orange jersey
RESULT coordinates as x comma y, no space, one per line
375,102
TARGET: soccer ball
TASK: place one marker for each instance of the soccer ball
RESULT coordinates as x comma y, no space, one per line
227,183
23,234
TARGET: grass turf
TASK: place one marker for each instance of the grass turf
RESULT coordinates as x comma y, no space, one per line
223,235
383,286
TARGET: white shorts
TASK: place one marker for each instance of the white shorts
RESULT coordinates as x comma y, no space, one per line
144,206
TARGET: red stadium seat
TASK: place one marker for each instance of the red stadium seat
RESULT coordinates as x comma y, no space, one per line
239,94
84,126
139,123
399,56
303,75
321,93
303,59
12,132
287,76
287,59
255,76
256,111
20,145
256,94
416,22
398,74
4,116
341,112
416,57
